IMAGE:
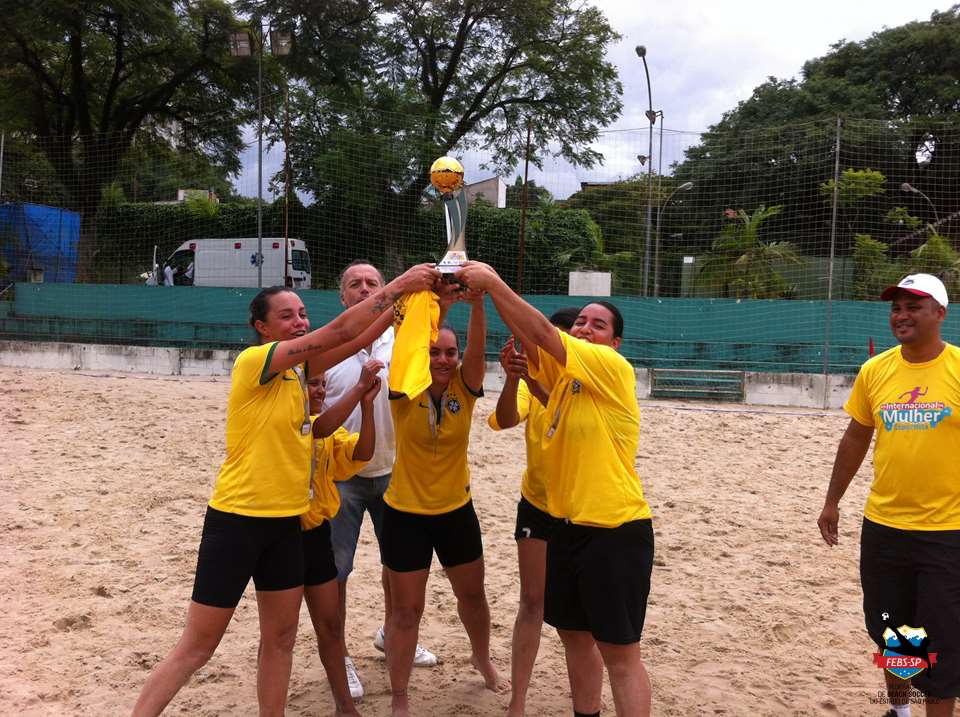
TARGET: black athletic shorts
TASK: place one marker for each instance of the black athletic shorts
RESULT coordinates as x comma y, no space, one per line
409,539
914,577
235,548
533,522
318,564
598,579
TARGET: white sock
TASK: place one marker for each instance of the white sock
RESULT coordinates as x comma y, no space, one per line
902,710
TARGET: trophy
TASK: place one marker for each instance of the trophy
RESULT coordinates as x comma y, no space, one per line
446,176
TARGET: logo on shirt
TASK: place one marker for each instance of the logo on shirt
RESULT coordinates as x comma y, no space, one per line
905,653
576,386
912,414
453,405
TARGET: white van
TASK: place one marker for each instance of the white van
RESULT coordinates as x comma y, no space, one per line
233,262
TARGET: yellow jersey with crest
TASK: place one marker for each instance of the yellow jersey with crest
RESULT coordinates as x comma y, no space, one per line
332,461
914,409
267,470
590,436
533,485
430,473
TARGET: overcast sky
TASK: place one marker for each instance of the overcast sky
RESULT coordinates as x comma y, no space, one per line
704,57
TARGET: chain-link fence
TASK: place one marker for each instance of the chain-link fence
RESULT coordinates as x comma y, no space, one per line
715,241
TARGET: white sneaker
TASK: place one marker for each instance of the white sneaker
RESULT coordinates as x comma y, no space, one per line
353,679
422,658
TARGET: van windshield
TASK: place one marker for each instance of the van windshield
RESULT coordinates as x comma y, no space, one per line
300,260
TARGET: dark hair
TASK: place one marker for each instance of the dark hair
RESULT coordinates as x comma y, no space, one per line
358,262
261,305
565,318
617,317
447,327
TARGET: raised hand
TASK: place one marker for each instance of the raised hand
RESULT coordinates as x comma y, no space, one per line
447,293
368,374
477,275
513,362
418,278
371,393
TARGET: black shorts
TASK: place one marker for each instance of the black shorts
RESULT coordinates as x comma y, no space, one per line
914,577
235,548
533,522
318,564
598,579
409,539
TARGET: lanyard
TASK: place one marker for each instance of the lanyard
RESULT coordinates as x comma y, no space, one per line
556,414
305,427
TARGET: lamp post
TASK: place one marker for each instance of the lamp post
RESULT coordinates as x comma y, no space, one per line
651,115
241,45
906,187
685,187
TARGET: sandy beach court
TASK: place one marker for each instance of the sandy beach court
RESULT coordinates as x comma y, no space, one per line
104,479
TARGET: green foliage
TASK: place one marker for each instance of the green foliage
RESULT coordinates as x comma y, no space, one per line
619,208
873,269
780,142
537,196
84,80
202,206
112,196
935,256
411,81
741,265
855,186
902,218
557,240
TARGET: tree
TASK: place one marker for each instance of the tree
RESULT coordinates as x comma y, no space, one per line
537,196
779,144
382,88
743,266
83,80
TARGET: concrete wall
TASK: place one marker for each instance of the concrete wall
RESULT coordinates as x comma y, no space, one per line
766,389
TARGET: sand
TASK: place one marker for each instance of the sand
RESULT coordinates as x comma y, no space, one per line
103,482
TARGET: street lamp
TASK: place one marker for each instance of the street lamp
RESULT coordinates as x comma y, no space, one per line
905,187
652,117
685,187
241,45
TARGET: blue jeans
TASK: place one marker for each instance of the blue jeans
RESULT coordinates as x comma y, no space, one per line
357,495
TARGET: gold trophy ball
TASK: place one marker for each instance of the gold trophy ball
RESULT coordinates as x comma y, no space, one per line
446,175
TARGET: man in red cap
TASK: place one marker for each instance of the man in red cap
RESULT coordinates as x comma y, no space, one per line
910,540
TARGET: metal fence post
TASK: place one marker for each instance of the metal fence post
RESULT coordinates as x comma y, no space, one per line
833,246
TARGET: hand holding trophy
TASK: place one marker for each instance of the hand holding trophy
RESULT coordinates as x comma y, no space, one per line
446,176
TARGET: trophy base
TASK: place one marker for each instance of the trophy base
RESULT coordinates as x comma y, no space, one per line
452,262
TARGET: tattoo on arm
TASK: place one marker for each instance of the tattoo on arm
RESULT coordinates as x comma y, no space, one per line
380,305
306,349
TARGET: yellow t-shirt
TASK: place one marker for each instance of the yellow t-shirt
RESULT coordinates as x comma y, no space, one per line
590,436
914,407
416,321
267,470
430,473
533,486
332,461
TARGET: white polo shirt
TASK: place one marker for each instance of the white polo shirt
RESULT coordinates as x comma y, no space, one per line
344,376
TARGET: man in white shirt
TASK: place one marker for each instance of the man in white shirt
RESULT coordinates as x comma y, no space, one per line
364,491
168,272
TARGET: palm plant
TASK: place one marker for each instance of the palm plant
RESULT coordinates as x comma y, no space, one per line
741,265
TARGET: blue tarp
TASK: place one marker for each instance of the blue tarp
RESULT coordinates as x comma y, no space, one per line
35,236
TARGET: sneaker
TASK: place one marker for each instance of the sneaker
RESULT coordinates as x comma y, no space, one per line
353,679
424,658
421,658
